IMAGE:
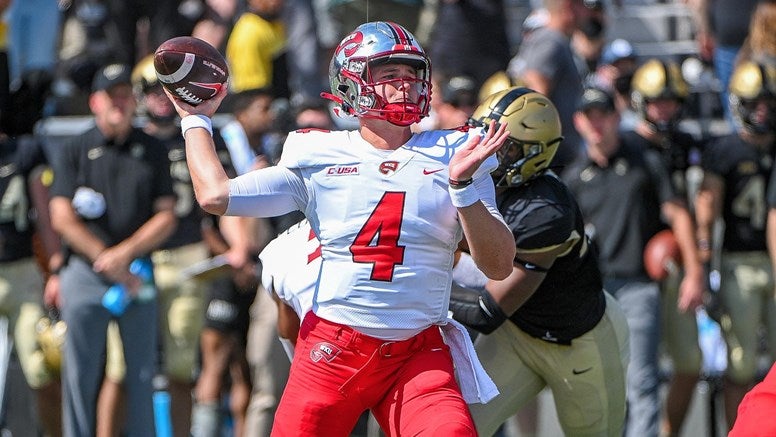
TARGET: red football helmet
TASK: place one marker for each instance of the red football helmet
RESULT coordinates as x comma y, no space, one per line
377,43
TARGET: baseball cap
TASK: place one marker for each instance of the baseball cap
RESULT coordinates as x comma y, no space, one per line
617,50
460,91
594,4
111,75
536,19
596,98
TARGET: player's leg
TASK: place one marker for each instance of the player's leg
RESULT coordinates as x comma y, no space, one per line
588,378
181,306
680,335
425,398
111,413
240,390
516,382
744,280
312,403
216,347
268,363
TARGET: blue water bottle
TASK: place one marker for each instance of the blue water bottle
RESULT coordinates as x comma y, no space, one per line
162,421
116,299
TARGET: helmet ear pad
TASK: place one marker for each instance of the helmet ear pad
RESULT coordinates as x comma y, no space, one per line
371,45
535,132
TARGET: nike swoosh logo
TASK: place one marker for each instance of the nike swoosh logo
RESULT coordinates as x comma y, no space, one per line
579,372
427,172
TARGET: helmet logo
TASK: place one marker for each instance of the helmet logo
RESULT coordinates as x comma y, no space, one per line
351,43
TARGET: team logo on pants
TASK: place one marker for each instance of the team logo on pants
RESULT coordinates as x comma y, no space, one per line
324,351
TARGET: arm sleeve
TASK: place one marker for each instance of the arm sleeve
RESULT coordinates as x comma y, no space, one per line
268,192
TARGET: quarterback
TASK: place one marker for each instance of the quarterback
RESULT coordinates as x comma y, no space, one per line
389,208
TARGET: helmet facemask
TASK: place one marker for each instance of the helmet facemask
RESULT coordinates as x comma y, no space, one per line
352,83
518,161
756,116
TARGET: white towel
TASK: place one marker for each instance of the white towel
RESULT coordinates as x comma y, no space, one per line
476,385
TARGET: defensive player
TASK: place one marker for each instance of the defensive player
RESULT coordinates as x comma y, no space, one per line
736,171
550,323
389,208
658,94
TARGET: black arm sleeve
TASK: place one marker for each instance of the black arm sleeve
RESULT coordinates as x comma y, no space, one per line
476,309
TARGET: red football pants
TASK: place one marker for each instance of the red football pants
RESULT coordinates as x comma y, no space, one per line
338,373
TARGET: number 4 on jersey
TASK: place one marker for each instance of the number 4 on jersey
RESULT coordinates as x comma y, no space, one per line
378,240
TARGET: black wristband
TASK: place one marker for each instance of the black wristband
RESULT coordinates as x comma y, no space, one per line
454,184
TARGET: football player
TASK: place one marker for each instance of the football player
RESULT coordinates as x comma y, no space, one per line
550,323
389,207
736,170
658,95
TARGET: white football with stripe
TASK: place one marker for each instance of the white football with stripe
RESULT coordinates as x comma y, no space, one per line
190,68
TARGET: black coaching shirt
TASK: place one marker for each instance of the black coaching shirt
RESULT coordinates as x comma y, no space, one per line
745,170
17,160
122,181
621,205
569,302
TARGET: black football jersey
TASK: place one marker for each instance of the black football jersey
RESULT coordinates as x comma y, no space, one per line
679,153
745,170
542,215
17,160
190,215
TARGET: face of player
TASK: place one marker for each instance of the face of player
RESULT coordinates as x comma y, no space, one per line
258,118
157,104
391,84
266,8
313,118
662,110
761,112
114,108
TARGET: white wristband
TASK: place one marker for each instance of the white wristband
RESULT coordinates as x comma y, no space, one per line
197,120
463,197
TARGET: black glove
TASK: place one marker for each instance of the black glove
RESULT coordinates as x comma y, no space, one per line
476,309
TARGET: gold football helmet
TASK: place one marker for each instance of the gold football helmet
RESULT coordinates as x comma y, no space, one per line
657,79
144,75
50,336
498,81
535,133
751,82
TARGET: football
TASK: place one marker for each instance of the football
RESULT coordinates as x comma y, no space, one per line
190,68
662,256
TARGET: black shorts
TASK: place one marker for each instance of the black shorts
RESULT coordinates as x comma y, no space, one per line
227,306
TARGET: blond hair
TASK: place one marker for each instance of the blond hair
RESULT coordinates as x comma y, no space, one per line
762,38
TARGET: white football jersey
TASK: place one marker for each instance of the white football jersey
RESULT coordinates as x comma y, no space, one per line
290,266
386,224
